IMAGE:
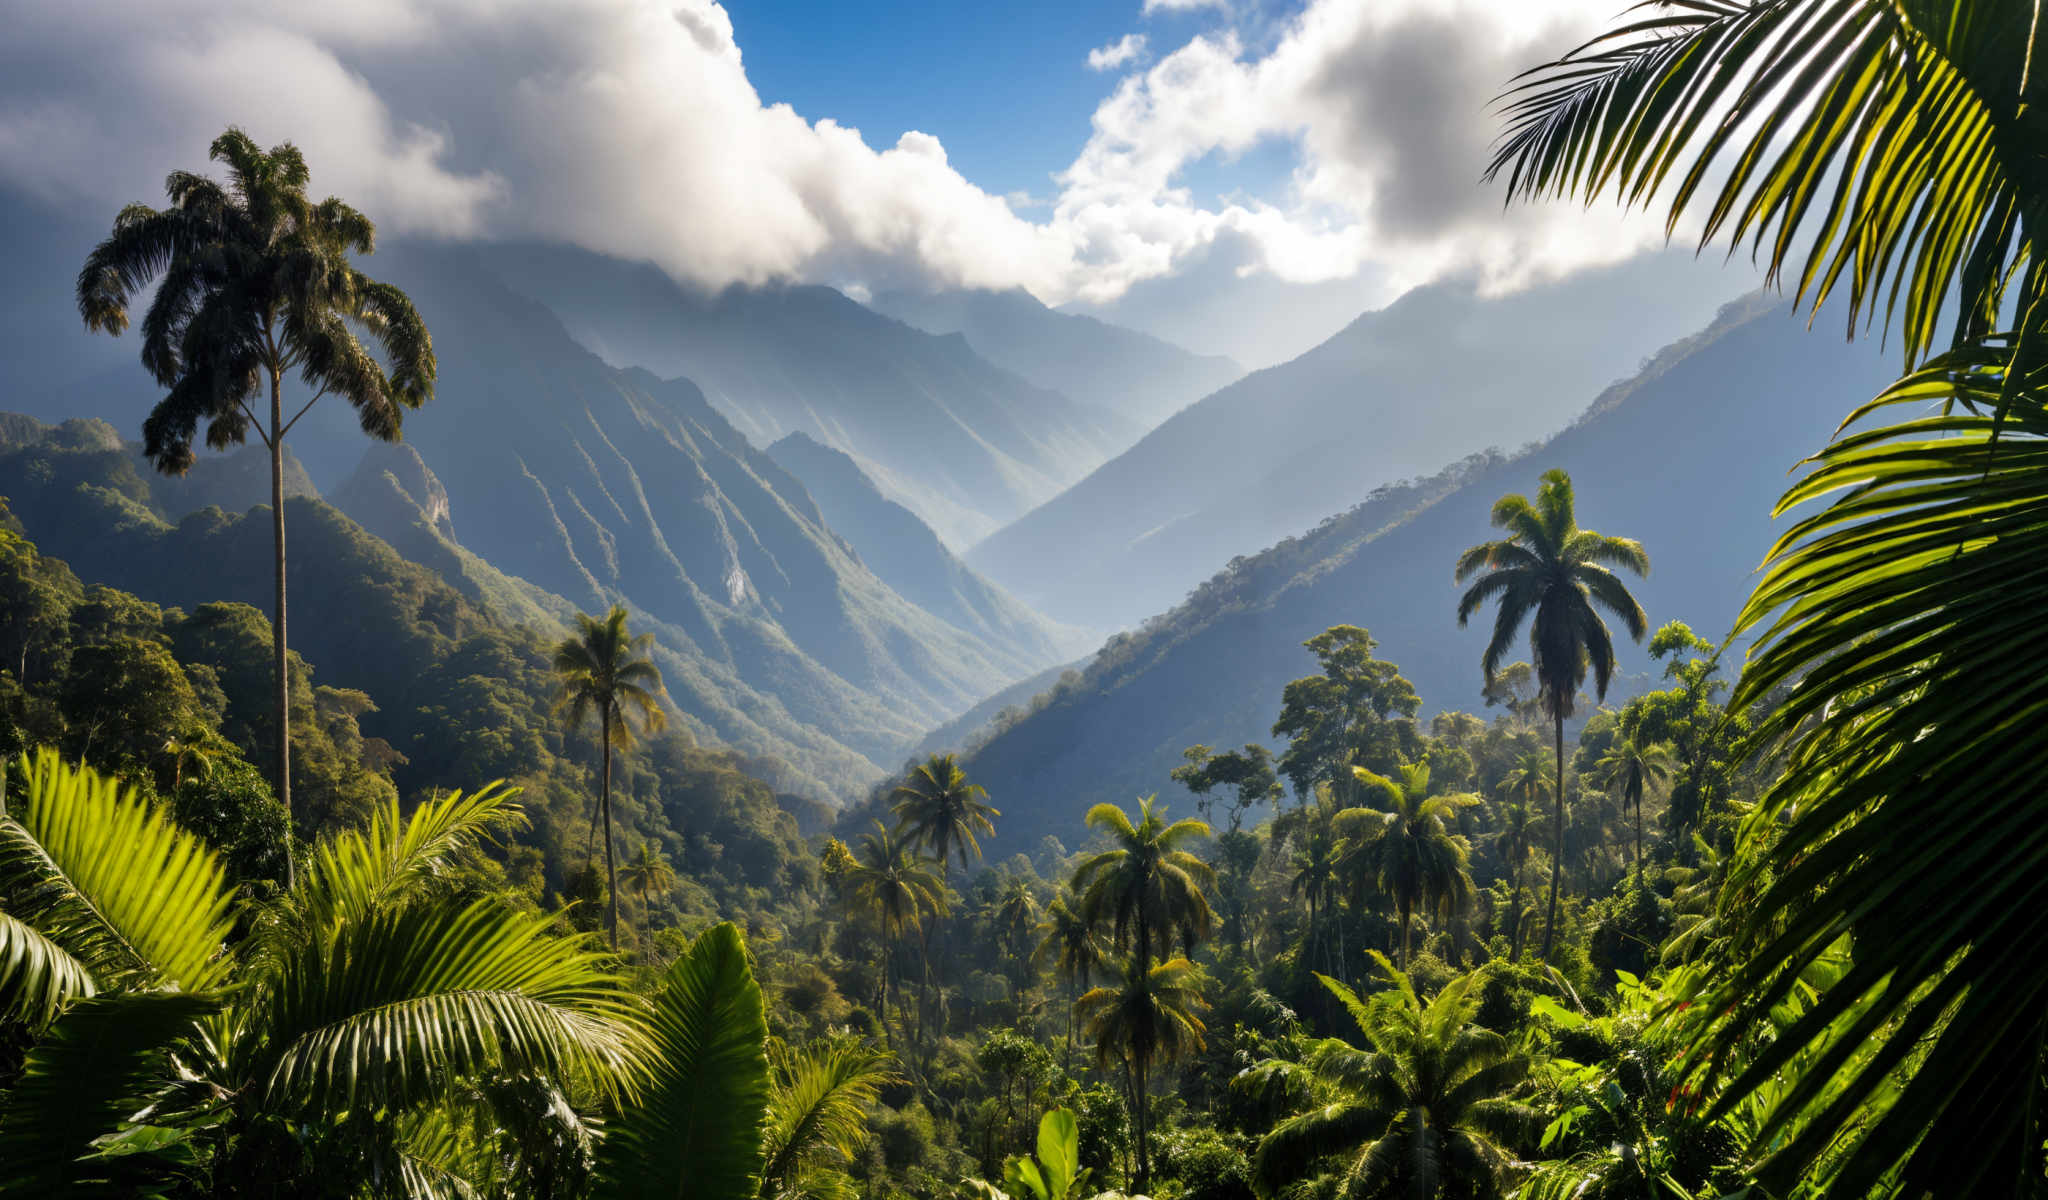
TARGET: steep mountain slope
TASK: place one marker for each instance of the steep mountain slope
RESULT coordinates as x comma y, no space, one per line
81,495
1441,373
1688,457
598,484
965,445
910,558
1136,380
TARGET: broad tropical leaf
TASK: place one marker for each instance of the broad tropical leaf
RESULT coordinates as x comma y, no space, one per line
696,1128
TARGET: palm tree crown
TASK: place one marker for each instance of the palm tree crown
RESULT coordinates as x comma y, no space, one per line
938,806
1149,1015
1549,568
1418,1111
1405,850
1550,573
603,669
1148,889
254,282
1631,770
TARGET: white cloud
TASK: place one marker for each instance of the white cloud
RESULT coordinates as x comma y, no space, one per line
1153,6
1127,48
630,127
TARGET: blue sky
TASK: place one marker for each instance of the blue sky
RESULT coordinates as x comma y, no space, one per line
1258,152
1006,88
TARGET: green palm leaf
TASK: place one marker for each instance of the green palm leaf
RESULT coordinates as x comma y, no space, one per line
112,881
818,1114
100,1062
696,1129
37,976
387,1007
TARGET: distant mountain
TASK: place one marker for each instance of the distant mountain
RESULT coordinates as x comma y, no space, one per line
1441,373
1136,380
1689,456
599,484
540,481
967,446
904,552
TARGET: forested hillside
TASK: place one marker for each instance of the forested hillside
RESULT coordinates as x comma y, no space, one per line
1687,457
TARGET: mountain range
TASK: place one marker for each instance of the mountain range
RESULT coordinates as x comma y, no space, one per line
1443,372
1133,380
1688,456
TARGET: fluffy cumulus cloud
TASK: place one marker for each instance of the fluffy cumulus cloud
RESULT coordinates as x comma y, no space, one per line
630,127
1121,52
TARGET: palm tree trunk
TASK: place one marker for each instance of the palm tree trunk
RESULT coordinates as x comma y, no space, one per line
1639,841
1405,915
1140,1121
1073,985
1557,867
924,980
611,876
277,625
1515,919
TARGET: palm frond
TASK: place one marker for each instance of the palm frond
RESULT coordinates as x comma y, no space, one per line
98,1065
38,978
111,880
389,1004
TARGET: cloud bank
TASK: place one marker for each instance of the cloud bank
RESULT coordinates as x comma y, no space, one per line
630,127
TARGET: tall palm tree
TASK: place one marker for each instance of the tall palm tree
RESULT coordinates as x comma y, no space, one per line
648,874
1016,917
1151,1015
1886,155
254,282
1418,1111
604,669
942,810
1318,870
1069,945
897,889
1513,838
371,987
1630,770
1148,889
1404,849
1550,572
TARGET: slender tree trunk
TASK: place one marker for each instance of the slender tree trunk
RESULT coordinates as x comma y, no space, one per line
1639,841
1073,985
1515,918
924,980
278,639
611,875
1406,912
1138,1106
1557,868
